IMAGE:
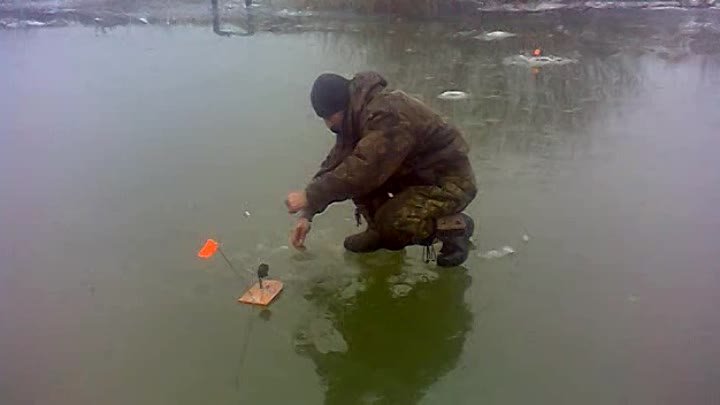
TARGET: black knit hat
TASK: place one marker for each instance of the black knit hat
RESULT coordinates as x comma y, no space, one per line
330,94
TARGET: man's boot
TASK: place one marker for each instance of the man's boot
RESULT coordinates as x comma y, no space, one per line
454,232
363,242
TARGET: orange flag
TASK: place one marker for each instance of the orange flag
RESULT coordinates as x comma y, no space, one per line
208,249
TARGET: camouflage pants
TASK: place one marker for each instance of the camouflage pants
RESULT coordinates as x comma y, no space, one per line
409,216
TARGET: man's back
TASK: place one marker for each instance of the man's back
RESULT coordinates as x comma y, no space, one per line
438,146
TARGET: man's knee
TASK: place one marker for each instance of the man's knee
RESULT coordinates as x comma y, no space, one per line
460,195
403,229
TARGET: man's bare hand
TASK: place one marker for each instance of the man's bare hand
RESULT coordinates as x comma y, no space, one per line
296,201
299,232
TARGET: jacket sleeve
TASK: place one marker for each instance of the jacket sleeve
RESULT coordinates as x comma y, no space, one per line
325,163
385,144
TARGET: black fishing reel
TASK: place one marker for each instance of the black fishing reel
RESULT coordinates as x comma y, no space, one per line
263,271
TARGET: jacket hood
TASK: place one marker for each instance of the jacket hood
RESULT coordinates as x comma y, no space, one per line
363,87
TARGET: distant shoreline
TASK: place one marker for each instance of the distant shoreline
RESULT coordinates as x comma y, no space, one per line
110,13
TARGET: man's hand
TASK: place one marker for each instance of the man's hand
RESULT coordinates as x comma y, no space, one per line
299,232
296,201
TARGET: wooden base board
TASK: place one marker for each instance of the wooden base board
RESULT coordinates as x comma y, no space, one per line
262,296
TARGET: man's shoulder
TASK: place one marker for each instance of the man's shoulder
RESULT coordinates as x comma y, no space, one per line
404,97
395,101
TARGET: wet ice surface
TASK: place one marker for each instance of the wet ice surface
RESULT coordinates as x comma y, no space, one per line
321,336
145,141
402,284
537,61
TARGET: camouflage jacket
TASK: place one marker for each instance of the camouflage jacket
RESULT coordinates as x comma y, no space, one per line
388,141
